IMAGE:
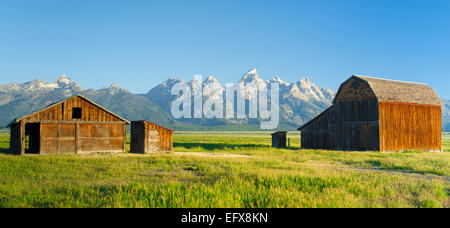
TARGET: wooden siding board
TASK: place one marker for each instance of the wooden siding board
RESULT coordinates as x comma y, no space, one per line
107,137
346,126
410,127
63,112
15,139
347,92
279,139
148,137
59,133
77,137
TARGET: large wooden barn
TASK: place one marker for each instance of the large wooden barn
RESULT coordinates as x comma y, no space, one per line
379,115
75,125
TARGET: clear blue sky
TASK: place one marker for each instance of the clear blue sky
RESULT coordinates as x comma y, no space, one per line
138,44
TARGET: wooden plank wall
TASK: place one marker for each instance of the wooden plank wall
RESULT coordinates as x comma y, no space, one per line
79,137
323,132
99,137
63,111
58,138
15,139
96,131
349,125
165,137
355,89
359,126
279,140
406,126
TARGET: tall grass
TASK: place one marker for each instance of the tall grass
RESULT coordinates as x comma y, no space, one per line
267,177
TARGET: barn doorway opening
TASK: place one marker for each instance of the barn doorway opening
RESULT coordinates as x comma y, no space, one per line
32,138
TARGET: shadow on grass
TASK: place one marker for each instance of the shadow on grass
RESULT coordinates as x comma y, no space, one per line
374,163
4,151
4,147
218,146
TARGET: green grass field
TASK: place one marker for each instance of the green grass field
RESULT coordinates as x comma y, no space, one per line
227,169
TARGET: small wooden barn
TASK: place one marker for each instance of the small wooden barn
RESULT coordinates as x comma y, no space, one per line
75,125
147,137
379,115
279,139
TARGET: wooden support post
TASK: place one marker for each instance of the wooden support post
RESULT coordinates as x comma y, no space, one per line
58,150
77,135
124,138
22,137
40,138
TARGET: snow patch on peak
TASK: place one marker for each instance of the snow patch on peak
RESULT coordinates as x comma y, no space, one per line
115,86
64,81
37,84
252,71
251,77
296,93
213,83
172,81
328,93
211,79
63,76
313,92
305,80
278,80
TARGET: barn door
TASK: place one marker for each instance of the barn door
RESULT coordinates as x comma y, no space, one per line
347,137
370,137
352,137
32,138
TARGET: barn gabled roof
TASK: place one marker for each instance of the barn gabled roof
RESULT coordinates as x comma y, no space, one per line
57,103
393,91
315,118
279,132
146,121
400,91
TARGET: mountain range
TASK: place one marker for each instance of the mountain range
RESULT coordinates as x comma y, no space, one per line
17,100
299,101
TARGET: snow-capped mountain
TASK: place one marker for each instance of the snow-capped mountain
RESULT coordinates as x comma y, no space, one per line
114,88
252,77
19,99
63,82
446,115
213,83
313,92
212,89
300,101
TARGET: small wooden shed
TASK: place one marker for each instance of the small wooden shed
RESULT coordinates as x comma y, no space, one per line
279,139
379,115
74,125
147,137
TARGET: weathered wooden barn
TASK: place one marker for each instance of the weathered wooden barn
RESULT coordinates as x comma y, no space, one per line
379,115
147,137
279,139
75,125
